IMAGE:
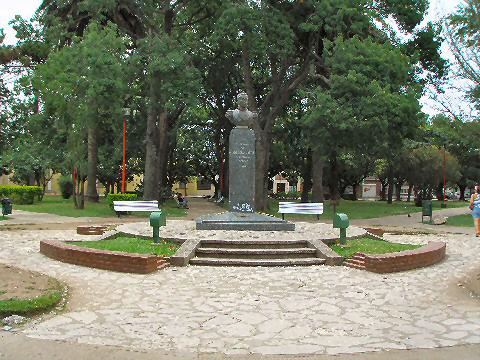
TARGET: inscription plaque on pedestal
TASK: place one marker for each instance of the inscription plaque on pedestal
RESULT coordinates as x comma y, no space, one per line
242,170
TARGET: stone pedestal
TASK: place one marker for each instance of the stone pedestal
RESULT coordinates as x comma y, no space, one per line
242,170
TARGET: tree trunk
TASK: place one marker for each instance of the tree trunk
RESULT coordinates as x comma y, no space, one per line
317,177
81,199
163,152
383,190
462,193
354,192
390,188
150,179
398,191
262,158
226,180
79,192
439,192
92,194
334,193
410,187
307,177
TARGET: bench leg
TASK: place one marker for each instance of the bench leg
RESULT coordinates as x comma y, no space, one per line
318,217
283,216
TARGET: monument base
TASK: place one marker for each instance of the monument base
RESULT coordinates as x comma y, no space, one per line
243,221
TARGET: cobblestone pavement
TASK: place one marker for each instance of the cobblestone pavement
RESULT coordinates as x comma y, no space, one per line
179,229
292,310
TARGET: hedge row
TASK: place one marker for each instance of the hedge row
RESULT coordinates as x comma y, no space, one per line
20,194
120,197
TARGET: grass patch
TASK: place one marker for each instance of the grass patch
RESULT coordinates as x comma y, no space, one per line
460,220
131,245
53,204
3,218
30,306
370,246
362,209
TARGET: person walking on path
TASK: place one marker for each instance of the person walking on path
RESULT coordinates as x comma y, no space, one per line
475,207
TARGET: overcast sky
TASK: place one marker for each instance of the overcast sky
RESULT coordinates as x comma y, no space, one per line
26,8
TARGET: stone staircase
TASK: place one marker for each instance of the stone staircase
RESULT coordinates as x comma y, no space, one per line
255,253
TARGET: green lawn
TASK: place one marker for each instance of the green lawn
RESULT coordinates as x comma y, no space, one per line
460,220
30,306
3,218
131,245
57,205
362,209
370,246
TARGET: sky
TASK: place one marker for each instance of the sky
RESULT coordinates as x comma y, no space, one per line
437,10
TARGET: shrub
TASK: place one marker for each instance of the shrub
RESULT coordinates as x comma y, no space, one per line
66,186
120,197
20,194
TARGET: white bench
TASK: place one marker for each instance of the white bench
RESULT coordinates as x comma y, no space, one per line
125,206
300,208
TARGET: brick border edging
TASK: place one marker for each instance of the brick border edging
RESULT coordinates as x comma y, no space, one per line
102,259
92,229
424,256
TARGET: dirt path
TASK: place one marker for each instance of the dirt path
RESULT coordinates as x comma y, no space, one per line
200,206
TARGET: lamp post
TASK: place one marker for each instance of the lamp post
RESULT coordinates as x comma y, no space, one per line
126,112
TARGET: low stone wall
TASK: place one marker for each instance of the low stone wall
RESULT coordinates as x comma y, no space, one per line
427,255
102,259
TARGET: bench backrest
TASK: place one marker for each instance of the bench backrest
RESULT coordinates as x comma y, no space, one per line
135,205
300,208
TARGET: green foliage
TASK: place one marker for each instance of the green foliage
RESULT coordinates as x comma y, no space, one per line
460,220
292,195
83,85
132,245
370,246
427,169
463,33
30,306
66,186
120,197
20,194
362,209
57,205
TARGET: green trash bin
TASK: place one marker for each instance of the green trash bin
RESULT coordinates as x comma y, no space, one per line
6,206
427,209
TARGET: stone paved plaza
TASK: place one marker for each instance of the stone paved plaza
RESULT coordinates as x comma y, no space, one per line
293,310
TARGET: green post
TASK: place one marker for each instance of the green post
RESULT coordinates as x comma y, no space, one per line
157,219
340,221
156,234
343,236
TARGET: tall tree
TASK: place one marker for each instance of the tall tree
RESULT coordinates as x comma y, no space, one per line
83,85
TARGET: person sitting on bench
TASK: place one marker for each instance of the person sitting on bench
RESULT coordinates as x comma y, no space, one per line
181,201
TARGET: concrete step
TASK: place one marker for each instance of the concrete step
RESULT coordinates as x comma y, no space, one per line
237,253
257,244
354,266
256,262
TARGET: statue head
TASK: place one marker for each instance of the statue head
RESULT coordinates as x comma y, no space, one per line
242,101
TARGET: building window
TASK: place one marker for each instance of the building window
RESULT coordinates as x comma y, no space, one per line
182,185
